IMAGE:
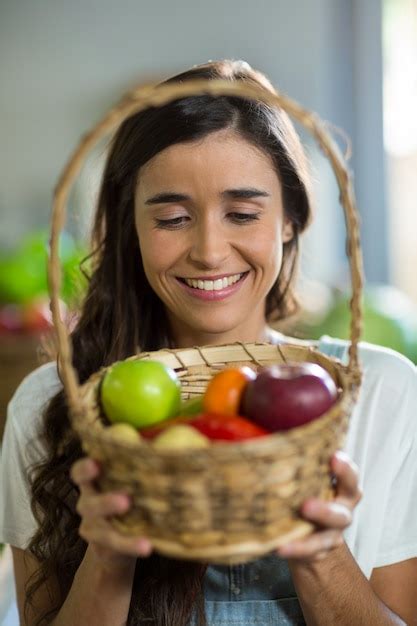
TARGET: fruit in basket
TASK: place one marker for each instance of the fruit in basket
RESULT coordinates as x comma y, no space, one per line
289,395
140,392
123,433
180,436
227,427
224,392
150,432
212,425
192,406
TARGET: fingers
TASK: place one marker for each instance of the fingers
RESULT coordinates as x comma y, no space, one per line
102,534
102,505
91,503
347,478
333,515
95,508
84,472
315,547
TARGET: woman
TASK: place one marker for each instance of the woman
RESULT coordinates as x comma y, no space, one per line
203,190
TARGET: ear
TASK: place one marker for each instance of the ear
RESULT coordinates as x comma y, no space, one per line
287,230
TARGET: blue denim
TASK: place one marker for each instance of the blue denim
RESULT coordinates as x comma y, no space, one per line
267,578
261,592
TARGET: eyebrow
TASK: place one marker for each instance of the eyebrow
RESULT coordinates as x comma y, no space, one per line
244,193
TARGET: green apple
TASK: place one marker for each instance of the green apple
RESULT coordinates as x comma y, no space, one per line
140,393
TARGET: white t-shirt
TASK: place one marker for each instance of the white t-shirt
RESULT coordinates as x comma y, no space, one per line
382,440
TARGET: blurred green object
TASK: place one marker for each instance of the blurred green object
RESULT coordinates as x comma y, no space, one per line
23,270
390,320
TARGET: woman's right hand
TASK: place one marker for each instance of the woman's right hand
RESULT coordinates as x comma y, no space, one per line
108,546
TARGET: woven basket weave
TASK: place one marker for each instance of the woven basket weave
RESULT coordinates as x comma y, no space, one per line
231,502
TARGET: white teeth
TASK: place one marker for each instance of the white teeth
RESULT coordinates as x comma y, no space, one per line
216,285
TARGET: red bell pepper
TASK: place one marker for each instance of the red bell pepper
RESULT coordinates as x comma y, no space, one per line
217,427
226,427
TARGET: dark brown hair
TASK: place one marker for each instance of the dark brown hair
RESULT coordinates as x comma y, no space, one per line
121,314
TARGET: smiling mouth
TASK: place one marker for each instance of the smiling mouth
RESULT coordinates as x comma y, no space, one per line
213,285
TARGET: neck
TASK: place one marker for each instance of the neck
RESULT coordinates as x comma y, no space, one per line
188,337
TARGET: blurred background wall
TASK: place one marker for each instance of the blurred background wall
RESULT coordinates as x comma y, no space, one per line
63,64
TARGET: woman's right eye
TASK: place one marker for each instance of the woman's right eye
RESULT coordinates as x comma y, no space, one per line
174,222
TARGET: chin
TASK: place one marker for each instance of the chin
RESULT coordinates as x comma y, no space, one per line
217,324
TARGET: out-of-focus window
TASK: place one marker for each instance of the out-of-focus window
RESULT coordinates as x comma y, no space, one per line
400,138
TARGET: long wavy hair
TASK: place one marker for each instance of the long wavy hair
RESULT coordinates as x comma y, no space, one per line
121,315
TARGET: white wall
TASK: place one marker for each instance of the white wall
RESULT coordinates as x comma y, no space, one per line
63,63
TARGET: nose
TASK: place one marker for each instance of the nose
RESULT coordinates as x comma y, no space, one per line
210,247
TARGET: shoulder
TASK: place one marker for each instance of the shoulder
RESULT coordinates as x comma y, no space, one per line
385,413
377,362
394,373
386,407
24,447
389,392
31,398
276,337
385,360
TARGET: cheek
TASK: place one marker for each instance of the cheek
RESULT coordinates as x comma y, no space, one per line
266,249
160,250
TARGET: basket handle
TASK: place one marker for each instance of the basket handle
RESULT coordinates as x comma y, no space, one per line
147,95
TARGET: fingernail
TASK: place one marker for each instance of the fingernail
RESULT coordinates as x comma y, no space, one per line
285,550
127,500
144,547
341,456
310,507
128,497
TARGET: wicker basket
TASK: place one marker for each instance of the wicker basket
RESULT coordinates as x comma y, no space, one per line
231,502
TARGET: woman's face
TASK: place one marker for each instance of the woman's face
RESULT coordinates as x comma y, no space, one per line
211,225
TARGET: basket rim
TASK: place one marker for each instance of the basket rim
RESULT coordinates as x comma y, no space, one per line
94,429
217,348
223,553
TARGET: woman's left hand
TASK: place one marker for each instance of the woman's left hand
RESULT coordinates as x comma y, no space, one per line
331,517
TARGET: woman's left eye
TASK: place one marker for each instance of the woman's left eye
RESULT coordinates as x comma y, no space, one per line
175,222
243,218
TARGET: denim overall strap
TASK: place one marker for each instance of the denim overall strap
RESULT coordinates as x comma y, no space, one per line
337,348
253,613
258,593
